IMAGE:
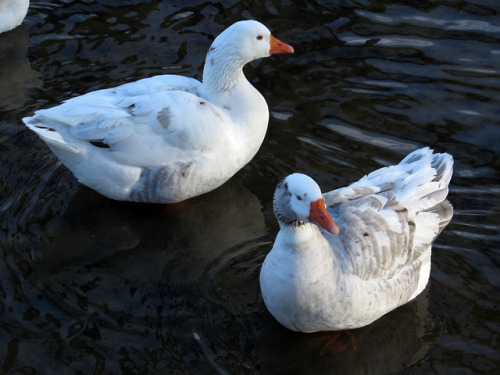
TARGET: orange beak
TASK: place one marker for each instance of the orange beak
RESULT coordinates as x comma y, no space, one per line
320,216
278,47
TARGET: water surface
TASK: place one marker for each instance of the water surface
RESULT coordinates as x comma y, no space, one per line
93,286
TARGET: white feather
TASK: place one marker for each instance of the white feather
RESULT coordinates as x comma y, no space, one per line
314,281
166,138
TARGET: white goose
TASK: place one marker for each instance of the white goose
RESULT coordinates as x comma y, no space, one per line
167,138
12,13
376,259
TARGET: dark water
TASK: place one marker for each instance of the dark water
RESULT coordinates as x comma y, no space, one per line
93,286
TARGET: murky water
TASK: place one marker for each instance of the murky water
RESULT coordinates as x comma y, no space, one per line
93,286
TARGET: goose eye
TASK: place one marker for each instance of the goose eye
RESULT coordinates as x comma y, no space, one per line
299,198
259,37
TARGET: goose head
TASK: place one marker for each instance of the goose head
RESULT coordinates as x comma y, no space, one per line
240,43
249,40
298,200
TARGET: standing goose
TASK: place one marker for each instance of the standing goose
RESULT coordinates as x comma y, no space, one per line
12,13
324,275
166,138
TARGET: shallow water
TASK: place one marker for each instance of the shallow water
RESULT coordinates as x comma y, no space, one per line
91,286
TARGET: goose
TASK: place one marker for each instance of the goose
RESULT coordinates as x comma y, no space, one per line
12,13
343,259
166,138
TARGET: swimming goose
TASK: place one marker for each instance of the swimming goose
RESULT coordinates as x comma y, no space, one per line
12,13
345,258
167,138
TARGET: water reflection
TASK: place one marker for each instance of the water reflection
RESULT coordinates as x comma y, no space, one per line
17,78
96,286
193,233
397,341
133,277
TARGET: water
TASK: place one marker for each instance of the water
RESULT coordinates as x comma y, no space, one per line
93,286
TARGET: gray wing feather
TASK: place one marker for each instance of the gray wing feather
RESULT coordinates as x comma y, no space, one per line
376,233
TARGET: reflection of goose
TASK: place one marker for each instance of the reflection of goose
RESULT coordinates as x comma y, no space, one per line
142,240
12,13
128,277
167,138
313,280
391,344
17,77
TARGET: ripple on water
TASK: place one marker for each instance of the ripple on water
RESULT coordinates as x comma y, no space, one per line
96,286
